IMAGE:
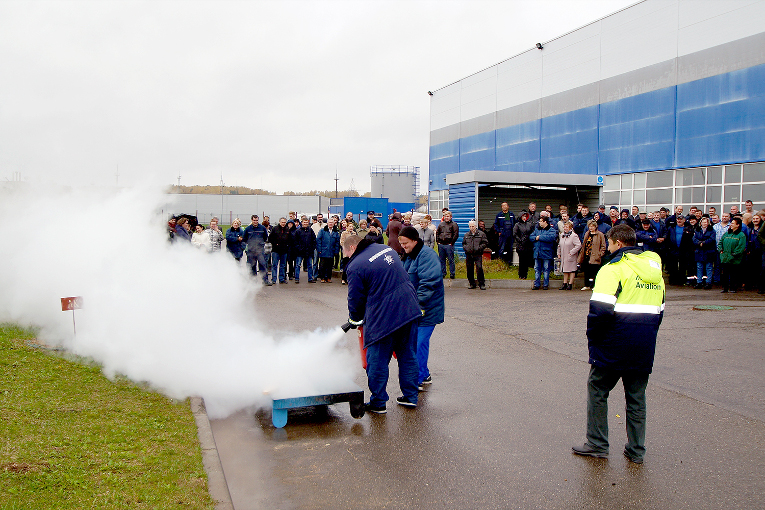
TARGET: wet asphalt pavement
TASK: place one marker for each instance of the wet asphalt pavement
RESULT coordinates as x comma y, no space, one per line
508,401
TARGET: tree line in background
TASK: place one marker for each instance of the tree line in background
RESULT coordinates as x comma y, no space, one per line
243,190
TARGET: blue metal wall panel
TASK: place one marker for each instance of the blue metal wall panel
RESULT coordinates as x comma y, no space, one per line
462,206
569,142
518,147
721,119
637,133
360,205
444,160
712,121
477,152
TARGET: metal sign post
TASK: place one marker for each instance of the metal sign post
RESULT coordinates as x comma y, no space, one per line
71,303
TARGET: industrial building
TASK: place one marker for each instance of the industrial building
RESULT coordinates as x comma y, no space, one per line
659,104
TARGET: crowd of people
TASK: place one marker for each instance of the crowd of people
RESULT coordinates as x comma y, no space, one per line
700,248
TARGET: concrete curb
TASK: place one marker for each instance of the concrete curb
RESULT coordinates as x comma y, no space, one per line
216,479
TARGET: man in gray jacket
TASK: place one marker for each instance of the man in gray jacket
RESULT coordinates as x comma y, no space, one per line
474,242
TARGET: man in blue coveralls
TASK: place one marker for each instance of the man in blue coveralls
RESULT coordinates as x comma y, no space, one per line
381,297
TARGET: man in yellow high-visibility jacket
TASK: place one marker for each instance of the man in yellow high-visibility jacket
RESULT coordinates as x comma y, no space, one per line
626,309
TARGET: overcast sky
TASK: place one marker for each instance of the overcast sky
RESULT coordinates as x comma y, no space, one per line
269,94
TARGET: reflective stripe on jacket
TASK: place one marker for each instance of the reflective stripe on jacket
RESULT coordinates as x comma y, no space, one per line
626,309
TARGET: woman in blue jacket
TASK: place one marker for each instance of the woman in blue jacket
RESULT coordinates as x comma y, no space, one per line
543,238
235,239
327,244
424,269
705,243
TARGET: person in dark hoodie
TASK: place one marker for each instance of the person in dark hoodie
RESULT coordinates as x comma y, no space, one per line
381,297
523,245
625,219
424,270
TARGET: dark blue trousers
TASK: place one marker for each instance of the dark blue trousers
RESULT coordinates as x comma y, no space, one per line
404,342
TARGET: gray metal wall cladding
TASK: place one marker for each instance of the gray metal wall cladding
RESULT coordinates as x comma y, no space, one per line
725,58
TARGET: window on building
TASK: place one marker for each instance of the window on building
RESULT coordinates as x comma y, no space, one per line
732,173
714,175
662,179
754,173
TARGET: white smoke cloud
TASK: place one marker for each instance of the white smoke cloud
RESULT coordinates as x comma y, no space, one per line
176,317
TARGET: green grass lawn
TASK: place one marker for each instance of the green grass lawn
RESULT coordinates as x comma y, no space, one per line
70,438
496,269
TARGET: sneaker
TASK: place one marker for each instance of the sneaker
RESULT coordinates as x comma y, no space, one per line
267,283
482,287
451,277
311,281
589,451
403,401
631,458
697,286
535,288
724,291
586,288
297,281
420,388
471,286
427,380
545,287
368,407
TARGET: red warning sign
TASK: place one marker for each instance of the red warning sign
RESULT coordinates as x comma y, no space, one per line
71,303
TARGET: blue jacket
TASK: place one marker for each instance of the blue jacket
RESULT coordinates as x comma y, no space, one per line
379,291
707,252
647,238
255,238
544,248
233,245
580,224
424,269
303,242
504,227
181,233
328,242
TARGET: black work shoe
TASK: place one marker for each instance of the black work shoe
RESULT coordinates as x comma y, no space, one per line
631,458
451,277
403,401
535,288
482,287
368,407
545,287
589,451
